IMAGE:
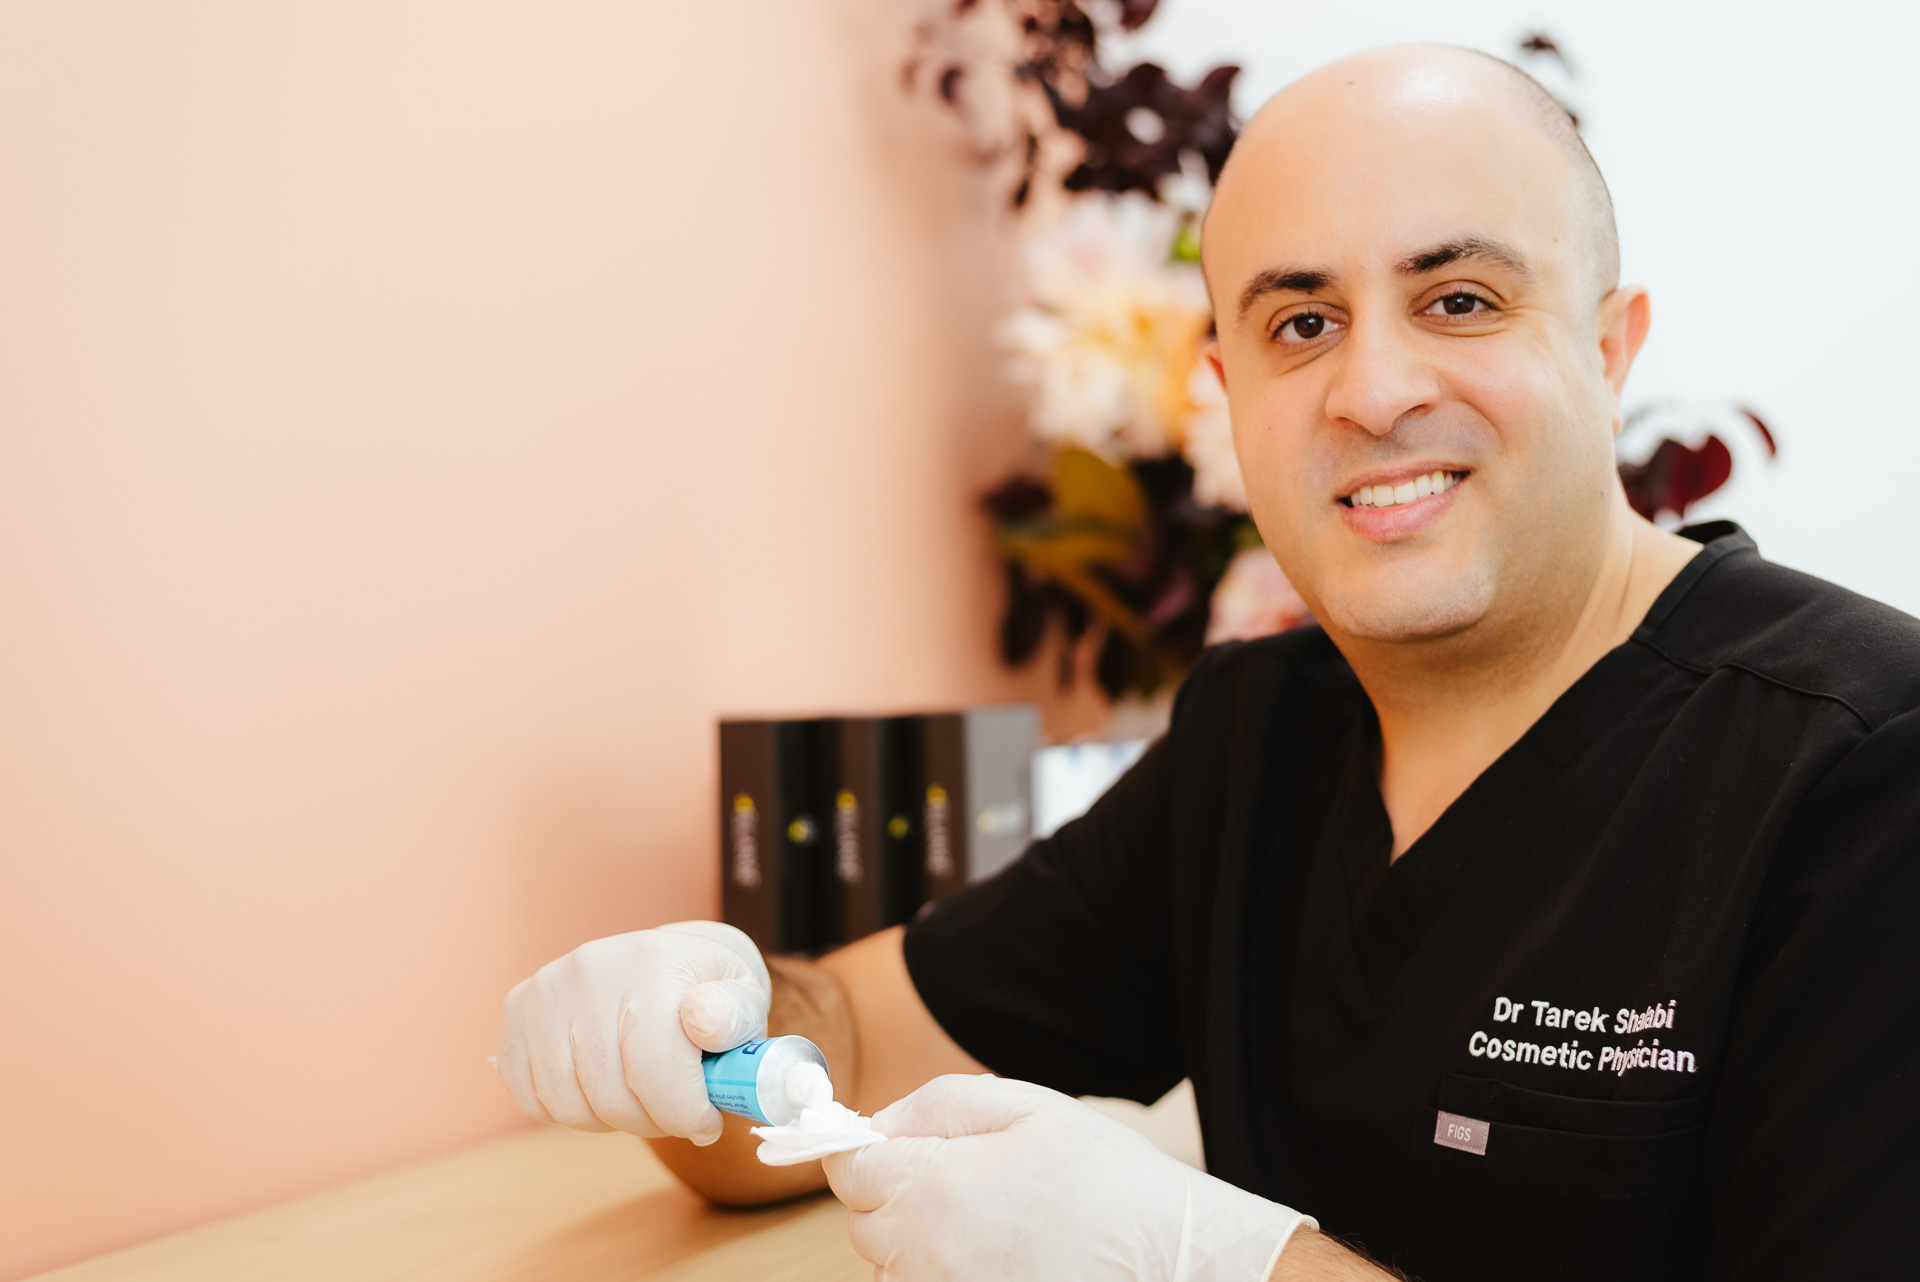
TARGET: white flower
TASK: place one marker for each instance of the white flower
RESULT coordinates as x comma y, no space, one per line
1114,328
1188,191
1254,599
1209,444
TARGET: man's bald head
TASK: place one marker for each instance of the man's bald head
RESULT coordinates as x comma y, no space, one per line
1593,203
1590,204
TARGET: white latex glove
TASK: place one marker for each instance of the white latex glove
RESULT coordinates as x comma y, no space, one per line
609,1036
982,1177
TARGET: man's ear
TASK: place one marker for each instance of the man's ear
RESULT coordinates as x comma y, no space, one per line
1212,352
1625,316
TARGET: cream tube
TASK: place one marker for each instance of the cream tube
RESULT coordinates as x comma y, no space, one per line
769,1080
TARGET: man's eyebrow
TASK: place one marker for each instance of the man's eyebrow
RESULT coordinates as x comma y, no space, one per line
1464,249
1282,280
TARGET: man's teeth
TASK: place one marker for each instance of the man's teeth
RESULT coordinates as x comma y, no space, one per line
1419,487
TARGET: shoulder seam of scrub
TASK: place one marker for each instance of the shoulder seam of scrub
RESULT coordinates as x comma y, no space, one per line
1708,669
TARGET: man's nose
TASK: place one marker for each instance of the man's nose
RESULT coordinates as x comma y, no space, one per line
1379,378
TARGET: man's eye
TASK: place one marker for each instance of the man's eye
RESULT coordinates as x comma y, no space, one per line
1458,304
1303,328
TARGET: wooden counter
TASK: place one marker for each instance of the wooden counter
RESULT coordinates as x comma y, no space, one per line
545,1205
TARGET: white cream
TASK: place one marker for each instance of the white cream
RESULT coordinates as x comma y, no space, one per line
807,1086
1419,488
820,1130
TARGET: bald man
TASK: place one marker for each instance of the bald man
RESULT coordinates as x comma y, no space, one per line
1546,912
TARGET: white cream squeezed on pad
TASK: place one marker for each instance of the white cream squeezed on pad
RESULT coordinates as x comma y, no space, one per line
823,1126
820,1131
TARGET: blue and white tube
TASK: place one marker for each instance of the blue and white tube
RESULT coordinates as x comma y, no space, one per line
769,1080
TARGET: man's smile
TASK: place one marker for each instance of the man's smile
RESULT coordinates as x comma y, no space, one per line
1388,493
1395,505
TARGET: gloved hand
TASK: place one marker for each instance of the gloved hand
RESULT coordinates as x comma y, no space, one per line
982,1177
609,1036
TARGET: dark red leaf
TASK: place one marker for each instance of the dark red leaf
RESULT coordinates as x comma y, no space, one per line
1115,665
1216,84
1075,617
1025,623
1773,449
1199,120
1675,477
1017,498
1540,43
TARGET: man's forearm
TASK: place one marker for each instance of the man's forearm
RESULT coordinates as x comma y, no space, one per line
1312,1256
808,1001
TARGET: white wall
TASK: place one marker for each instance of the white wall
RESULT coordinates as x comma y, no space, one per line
1764,160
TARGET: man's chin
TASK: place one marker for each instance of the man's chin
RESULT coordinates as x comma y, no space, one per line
1407,608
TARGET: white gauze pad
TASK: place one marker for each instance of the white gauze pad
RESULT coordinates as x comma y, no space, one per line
830,1128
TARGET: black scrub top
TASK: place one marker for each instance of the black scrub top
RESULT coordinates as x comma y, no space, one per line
1644,1002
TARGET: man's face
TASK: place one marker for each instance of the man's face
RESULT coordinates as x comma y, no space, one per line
1406,303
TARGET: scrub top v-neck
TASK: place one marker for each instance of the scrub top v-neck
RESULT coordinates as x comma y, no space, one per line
1642,999
1393,902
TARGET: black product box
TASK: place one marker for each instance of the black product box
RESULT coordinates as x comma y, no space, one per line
975,792
871,869
773,846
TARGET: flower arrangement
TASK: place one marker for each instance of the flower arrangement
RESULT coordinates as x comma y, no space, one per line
1143,513
1134,526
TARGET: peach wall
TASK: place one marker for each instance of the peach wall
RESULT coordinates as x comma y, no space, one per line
418,420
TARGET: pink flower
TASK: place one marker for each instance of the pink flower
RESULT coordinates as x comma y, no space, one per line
1254,599
1208,445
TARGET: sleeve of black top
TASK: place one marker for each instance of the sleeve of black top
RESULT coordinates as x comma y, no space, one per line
1812,1161
1059,970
